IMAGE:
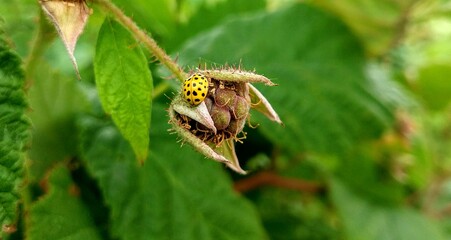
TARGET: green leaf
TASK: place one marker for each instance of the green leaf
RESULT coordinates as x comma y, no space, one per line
157,16
376,23
177,194
373,180
124,84
13,133
434,86
290,215
366,220
15,22
55,101
60,214
323,92
209,15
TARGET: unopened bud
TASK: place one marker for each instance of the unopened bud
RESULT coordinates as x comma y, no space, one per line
215,123
241,108
220,116
225,97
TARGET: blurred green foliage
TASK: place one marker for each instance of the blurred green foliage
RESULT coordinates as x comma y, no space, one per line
363,91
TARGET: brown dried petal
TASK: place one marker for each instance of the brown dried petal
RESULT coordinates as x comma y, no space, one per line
69,18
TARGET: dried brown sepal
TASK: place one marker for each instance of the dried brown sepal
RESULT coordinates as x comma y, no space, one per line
9,228
69,18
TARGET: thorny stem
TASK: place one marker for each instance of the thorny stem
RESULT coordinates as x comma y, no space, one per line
140,35
272,179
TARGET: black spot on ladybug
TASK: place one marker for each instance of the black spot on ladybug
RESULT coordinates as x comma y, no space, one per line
197,100
203,94
205,86
201,83
199,89
187,85
196,78
188,93
194,93
194,84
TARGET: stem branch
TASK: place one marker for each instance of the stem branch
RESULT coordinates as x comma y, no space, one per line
140,35
272,179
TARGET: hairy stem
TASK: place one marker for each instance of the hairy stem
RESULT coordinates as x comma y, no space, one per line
140,35
272,179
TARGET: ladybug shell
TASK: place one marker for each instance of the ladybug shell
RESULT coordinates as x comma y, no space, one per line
195,89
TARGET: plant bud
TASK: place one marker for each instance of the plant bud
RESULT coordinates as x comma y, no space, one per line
241,108
236,126
221,117
208,103
213,125
225,97
242,89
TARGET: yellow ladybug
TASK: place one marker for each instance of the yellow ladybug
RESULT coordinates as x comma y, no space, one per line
195,89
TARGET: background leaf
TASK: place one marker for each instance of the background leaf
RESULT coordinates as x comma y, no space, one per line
433,86
158,16
289,215
323,91
364,220
208,16
124,84
49,216
55,101
349,74
13,133
378,23
177,194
